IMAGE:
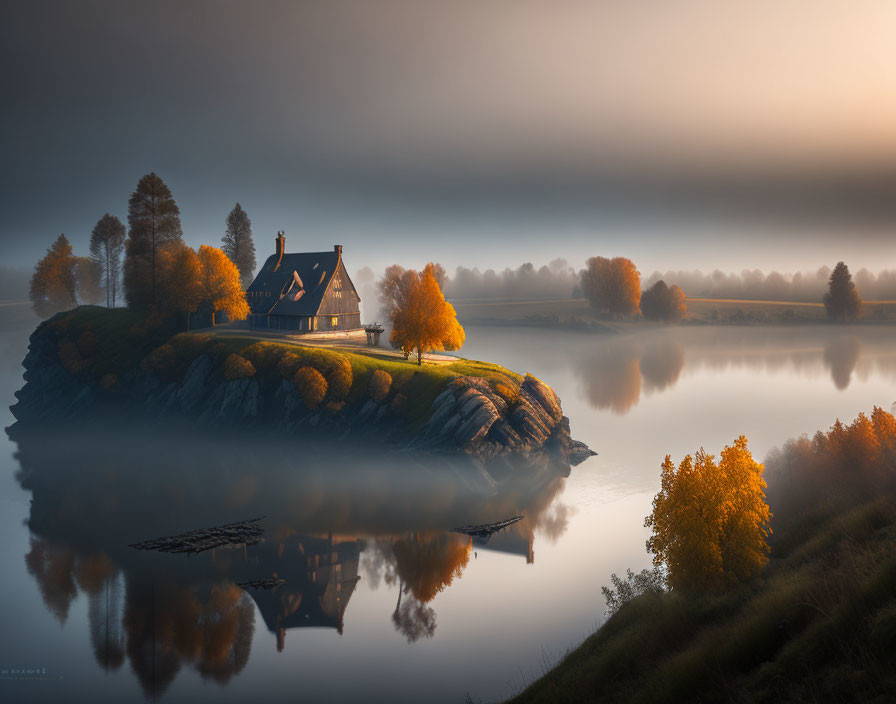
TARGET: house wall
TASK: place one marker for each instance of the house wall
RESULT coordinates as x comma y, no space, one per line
280,322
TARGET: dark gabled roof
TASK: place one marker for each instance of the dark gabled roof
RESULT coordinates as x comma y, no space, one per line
306,274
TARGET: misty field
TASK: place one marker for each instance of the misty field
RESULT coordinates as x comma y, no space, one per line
576,313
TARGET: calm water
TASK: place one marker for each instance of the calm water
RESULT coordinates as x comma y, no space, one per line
380,601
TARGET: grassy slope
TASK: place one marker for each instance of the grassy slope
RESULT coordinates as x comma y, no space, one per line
818,624
117,341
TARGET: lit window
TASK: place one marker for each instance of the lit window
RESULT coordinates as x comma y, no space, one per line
334,321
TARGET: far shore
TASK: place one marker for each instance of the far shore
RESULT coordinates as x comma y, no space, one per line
576,314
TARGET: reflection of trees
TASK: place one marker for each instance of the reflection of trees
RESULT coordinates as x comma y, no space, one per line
423,566
167,624
53,570
840,356
614,375
413,619
661,364
162,613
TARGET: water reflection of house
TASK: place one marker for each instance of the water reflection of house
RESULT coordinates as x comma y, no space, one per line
320,576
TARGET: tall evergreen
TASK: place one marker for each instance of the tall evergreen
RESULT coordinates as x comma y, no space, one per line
842,301
154,222
106,248
238,244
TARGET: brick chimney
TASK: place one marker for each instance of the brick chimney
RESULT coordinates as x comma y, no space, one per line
280,248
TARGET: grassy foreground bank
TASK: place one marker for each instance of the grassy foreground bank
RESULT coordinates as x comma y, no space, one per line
818,625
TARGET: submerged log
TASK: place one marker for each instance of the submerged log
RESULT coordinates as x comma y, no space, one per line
268,583
485,530
228,535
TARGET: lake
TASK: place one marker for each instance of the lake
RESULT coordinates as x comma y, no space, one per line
377,598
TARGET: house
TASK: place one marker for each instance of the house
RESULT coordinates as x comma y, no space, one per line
307,292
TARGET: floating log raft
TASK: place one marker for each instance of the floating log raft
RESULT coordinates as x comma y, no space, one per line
486,530
229,535
269,583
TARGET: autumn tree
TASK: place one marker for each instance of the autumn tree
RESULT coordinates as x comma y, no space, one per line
662,302
239,245
180,274
842,300
612,286
106,248
219,284
426,321
710,521
53,284
154,221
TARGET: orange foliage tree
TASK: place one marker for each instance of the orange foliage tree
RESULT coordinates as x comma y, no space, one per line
180,271
219,284
710,521
612,286
54,283
425,321
662,302
846,464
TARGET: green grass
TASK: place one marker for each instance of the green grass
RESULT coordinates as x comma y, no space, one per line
818,624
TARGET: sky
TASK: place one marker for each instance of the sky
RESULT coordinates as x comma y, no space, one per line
684,135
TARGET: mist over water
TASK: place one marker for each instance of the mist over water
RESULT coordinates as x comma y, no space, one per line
378,594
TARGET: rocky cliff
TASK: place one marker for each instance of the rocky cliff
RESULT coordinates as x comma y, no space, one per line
467,416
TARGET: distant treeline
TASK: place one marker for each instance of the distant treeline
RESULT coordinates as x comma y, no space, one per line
756,286
560,280
554,280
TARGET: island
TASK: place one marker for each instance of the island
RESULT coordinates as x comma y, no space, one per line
119,364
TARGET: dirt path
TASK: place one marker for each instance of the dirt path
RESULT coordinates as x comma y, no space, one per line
355,342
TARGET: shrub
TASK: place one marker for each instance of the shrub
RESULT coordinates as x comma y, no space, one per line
107,381
88,344
311,385
634,585
236,367
161,359
379,384
335,406
399,402
70,358
338,373
288,365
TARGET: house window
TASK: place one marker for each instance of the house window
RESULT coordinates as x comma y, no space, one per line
334,322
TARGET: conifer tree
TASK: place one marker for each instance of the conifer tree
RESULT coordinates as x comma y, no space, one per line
106,248
842,301
154,221
238,244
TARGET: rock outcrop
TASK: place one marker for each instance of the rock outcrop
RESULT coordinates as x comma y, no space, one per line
468,416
